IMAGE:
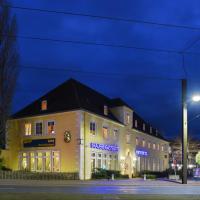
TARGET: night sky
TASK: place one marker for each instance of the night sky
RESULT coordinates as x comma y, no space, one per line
157,100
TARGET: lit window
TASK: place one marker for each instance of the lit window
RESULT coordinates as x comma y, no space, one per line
99,160
143,127
44,105
136,123
93,128
128,118
143,143
27,128
154,146
158,147
56,161
128,138
47,161
149,145
105,132
137,141
105,110
39,163
38,128
24,161
162,148
51,127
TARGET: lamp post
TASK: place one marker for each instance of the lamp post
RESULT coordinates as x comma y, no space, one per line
184,131
195,98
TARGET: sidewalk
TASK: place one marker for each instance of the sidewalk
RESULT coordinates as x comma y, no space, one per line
131,182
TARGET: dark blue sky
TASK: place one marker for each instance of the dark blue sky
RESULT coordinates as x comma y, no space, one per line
157,101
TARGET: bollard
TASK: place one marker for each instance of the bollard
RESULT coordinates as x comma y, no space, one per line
145,177
113,177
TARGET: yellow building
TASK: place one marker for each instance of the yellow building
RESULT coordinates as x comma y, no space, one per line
73,128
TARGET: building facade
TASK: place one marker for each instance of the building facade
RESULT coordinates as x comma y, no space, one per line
73,128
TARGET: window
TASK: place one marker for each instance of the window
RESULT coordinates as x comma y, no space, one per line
127,118
44,105
143,143
92,128
136,123
110,162
27,128
158,147
128,138
47,162
51,127
154,146
162,148
56,161
41,161
99,160
104,161
93,161
105,110
24,161
105,132
143,127
115,133
149,145
38,128
32,161
137,141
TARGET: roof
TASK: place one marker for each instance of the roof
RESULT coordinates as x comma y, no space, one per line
73,95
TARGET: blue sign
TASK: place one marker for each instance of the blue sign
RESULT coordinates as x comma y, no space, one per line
106,147
40,142
141,153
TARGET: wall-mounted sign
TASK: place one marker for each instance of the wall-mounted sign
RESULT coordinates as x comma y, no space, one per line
106,147
141,153
50,142
67,136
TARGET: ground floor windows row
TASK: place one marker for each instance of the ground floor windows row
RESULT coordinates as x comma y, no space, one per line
150,164
104,161
41,161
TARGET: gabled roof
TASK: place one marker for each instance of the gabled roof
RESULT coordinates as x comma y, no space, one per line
71,95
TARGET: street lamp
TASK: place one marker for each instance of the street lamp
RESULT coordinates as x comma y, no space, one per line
196,98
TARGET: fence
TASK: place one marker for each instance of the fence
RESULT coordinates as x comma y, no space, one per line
38,175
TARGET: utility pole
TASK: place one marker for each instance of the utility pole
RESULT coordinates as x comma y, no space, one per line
184,131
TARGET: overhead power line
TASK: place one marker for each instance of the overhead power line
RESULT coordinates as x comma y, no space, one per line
93,43
105,17
120,75
158,50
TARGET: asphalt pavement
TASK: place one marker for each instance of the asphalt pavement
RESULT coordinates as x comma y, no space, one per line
100,187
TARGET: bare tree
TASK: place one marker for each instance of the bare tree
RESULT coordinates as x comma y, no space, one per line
8,66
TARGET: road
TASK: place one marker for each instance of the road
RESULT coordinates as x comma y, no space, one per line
164,189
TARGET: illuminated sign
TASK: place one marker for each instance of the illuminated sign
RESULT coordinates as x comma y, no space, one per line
106,147
40,142
141,153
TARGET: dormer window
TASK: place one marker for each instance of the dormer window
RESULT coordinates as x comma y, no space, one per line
128,119
44,105
143,128
105,110
136,123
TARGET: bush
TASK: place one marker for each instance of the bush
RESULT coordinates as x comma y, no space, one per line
100,173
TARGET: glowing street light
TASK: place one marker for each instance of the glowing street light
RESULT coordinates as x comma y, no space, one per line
196,98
